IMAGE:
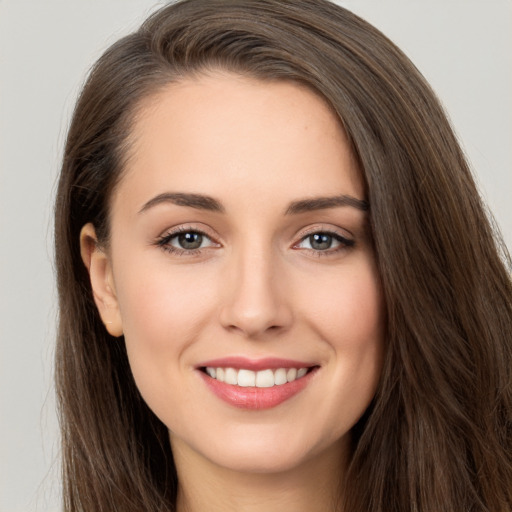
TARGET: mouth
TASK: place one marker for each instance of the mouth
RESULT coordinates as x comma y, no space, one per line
260,379
256,385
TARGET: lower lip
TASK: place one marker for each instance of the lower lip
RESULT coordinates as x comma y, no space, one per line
253,397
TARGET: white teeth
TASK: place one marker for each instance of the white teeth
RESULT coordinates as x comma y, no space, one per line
230,376
265,379
280,377
246,378
291,374
262,379
301,372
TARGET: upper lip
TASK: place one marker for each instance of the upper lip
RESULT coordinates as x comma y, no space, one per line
254,364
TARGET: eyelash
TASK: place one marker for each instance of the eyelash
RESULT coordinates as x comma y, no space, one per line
164,242
345,243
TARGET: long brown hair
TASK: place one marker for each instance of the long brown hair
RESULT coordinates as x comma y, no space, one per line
438,435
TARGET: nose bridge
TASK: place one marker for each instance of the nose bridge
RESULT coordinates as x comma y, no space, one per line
255,302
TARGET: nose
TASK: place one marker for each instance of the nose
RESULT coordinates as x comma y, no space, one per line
255,300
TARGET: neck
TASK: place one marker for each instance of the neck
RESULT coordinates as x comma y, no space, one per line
313,485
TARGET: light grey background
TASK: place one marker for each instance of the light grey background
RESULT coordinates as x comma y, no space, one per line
46,46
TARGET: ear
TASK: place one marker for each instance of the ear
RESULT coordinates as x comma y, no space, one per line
99,266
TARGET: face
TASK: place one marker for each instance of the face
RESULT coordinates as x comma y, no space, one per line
241,273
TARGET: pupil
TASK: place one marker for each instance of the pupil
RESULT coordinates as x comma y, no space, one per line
320,241
190,240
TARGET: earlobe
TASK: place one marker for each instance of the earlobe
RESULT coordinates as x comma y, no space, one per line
99,266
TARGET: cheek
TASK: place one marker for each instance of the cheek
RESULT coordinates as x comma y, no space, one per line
162,313
349,318
161,300
348,308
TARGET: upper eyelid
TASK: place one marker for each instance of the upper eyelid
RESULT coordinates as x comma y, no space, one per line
185,228
164,239
174,233
343,236
215,238
344,233
343,240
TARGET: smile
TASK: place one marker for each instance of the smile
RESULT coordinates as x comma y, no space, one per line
260,379
253,385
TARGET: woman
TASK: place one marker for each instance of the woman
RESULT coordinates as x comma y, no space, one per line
279,288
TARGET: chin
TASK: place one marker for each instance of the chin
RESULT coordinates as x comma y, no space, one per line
267,451
259,462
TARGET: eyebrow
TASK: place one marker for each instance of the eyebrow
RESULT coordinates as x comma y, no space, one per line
323,203
199,201
203,202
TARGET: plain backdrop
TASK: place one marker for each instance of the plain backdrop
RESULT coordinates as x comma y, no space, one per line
463,47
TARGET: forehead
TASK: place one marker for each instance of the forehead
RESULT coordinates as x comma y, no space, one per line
222,131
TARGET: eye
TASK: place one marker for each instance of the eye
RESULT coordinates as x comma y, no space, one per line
188,241
324,241
319,241
185,241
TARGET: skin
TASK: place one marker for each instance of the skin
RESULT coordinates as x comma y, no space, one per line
257,287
